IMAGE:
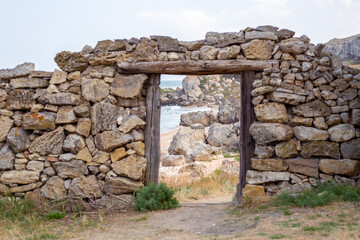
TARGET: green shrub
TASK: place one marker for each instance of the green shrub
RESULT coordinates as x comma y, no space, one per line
154,198
319,196
55,215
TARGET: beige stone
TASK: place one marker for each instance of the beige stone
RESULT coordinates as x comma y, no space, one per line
101,157
310,134
131,122
94,90
132,167
320,149
120,185
85,155
65,115
84,126
58,77
253,191
20,177
276,165
6,124
286,149
271,112
270,132
288,98
343,167
342,132
40,121
54,189
127,86
117,154
74,76
308,167
25,188
296,121
258,49
48,143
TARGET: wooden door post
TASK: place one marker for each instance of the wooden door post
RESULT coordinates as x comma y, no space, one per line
152,129
247,144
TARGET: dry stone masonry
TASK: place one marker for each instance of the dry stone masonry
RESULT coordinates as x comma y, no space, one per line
78,132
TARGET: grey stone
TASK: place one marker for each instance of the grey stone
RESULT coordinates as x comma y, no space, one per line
74,143
351,149
320,149
109,140
103,117
310,134
342,132
18,139
168,44
173,160
20,70
6,158
121,185
264,133
264,152
54,189
221,135
61,98
71,169
355,117
343,167
292,45
255,177
71,61
6,123
94,90
20,100
308,167
260,35
288,98
85,187
127,86
29,83
48,143
224,39
312,109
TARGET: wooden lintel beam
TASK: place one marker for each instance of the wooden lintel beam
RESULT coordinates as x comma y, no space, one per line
190,67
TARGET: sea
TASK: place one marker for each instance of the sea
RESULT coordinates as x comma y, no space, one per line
170,115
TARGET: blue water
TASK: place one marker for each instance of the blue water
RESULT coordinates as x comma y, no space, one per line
170,116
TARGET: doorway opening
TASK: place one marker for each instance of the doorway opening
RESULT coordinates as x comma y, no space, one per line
199,136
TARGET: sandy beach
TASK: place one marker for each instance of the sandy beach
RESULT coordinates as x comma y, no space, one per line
165,140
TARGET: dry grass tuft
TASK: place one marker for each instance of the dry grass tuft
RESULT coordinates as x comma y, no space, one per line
215,185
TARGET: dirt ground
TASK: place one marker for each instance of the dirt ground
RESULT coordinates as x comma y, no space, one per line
226,221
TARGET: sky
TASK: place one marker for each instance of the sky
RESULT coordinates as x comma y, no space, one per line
35,30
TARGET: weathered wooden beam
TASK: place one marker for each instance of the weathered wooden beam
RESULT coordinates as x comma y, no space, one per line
196,67
247,117
152,129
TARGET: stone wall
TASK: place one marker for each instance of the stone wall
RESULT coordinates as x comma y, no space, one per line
78,133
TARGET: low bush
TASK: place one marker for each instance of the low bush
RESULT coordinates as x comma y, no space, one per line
319,196
154,198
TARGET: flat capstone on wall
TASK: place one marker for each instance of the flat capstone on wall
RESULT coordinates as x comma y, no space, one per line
78,133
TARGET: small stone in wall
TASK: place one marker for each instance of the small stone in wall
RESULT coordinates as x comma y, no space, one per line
94,90
54,189
256,177
121,185
264,133
65,115
19,177
84,126
35,166
293,45
74,143
85,187
85,155
310,134
271,112
71,169
258,49
312,109
20,99
6,123
48,143
296,121
264,152
286,149
58,77
6,158
131,122
351,149
320,149
308,167
127,86
276,165
342,132
132,167
343,167
71,61
100,157
109,140
40,121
